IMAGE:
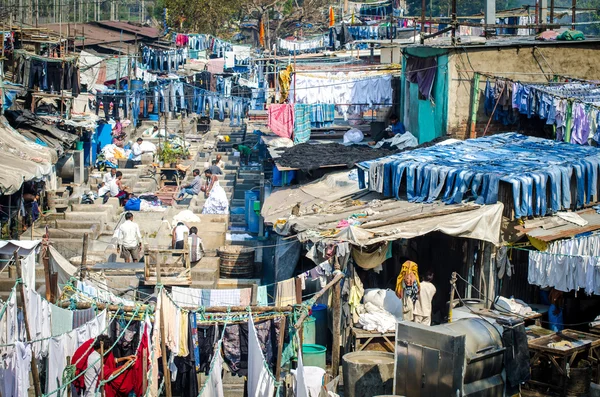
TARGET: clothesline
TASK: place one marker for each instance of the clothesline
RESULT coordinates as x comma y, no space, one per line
554,254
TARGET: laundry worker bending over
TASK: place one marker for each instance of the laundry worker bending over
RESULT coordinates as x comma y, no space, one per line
396,127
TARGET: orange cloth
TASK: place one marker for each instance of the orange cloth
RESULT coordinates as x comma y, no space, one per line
261,34
331,17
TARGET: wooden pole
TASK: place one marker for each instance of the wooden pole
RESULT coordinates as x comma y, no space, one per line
166,372
551,12
452,288
282,325
83,256
334,281
144,369
474,105
68,388
102,367
34,368
336,306
211,309
573,14
46,262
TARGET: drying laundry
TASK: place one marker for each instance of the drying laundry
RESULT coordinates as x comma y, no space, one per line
473,169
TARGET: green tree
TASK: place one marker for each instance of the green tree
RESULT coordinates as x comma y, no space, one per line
205,16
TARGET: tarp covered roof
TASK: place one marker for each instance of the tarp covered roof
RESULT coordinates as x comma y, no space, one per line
323,204
21,160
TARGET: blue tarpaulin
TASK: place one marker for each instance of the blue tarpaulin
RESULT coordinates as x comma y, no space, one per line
541,173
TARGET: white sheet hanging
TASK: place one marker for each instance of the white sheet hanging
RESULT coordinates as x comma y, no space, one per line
214,384
260,381
28,265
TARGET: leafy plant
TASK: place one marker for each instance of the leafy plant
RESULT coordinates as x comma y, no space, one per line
168,154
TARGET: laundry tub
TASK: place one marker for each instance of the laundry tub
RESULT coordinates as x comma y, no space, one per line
309,330
319,312
314,355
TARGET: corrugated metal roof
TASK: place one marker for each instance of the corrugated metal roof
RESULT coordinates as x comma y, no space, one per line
91,34
554,228
144,31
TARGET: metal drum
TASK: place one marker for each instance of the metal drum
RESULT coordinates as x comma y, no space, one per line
368,373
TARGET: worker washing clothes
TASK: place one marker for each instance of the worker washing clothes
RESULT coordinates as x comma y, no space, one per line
136,152
215,169
422,309
130,239
220,162
179,233
110,176
196,246
396,127
245,153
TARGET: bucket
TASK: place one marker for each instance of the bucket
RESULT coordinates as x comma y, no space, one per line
153,117
236,261
79,145
319,312
249,195
368,373
314,356
308,334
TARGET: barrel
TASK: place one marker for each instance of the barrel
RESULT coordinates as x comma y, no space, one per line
368,373
236,261
252,218
137,84
319,312
308,333
249,196
314,355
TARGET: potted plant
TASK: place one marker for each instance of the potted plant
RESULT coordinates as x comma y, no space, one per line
168,155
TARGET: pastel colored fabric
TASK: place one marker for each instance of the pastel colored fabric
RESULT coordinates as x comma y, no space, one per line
281,119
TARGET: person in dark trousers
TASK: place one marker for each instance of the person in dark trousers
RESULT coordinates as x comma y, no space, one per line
395,127
245,153
179,232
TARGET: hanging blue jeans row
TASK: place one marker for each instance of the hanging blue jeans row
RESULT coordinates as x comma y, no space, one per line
163,61
116,99
214,105
473,169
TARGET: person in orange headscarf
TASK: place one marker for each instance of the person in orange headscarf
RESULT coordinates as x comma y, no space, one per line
407,288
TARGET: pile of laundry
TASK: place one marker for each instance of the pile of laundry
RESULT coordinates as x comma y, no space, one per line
113,153
512,305
145,203
380,311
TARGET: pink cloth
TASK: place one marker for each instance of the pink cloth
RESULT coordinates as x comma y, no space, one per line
216,65
281,119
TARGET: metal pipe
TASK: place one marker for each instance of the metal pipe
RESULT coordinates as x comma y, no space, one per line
573,15
551,11
453,19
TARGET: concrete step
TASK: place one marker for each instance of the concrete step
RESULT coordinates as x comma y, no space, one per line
203,284
208,263
208,275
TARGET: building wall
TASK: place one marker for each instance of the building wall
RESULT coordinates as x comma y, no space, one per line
523,63
425,119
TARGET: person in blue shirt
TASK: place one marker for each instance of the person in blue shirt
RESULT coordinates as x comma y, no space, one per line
395,127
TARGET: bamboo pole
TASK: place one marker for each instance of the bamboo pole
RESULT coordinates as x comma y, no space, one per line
166,372
211,309
335,279
83,256
282,324
34,368
337,319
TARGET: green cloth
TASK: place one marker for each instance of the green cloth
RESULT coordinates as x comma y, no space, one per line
571,35
569,123
244,150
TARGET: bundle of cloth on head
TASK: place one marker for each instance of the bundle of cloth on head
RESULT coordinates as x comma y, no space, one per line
408,281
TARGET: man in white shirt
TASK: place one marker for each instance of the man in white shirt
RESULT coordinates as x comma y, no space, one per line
220,162
422,308
195,244
136,152
178,235
130,239
113,189
110,176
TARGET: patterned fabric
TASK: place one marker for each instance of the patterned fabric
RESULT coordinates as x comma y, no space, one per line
322,115
81,317
281,119
302,123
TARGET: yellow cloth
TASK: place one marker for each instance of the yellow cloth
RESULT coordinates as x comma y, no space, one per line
538,244
183,335
285,80
285,292
408,267
356,293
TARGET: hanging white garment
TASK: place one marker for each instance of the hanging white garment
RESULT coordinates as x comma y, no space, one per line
22,369
260,381
28,264
8,325
300,387
214,384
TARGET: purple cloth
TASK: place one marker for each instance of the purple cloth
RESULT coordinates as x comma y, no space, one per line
421,71
581,125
